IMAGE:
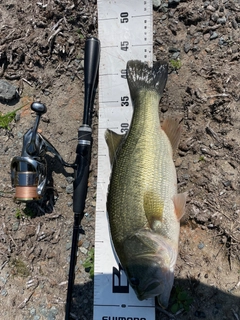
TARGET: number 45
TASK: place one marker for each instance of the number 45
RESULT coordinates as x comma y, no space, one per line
124,45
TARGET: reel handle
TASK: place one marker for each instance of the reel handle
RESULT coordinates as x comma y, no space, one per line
40,109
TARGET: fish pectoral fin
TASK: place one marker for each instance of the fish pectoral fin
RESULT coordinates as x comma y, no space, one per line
113,141
172,128
179,201
153,207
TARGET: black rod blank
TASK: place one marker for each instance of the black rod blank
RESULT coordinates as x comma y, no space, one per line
83,158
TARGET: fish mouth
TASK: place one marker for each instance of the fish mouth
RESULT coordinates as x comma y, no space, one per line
153,289
154,281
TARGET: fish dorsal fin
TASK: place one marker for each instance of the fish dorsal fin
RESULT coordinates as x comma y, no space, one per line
179,201
172,129
153,207
113,141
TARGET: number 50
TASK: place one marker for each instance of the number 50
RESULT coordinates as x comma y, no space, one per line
124,17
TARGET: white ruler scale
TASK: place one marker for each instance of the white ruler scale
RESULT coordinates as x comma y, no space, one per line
125,33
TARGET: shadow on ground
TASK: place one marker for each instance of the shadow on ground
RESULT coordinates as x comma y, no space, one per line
208,303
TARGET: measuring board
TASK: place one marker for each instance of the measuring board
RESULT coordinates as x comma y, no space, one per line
125,33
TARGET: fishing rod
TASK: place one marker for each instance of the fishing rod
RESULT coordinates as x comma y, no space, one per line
83,158
29,171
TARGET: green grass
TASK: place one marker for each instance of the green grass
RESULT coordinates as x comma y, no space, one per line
6,119
180,300
79,32
88,264
27,212
201,158
20,268
175,64
18,213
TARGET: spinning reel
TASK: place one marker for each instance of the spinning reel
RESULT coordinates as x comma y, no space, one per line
29,171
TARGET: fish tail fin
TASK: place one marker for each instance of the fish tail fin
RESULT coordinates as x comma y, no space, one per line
140,76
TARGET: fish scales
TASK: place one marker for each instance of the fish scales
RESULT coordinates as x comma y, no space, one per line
142,214
142,164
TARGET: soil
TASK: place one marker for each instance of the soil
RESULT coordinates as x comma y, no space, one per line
41,53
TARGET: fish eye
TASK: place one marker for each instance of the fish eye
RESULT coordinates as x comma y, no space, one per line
134,281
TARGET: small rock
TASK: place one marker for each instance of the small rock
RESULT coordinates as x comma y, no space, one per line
4,293
69,189
214,36
176,55
185,176
46,92
68,246
86,244
221,20
201,245
70,179
32,312
71,40
7,91
19,135
234,24
187,47
173,50
164,108
173,2
222,42
3,280
15,226
17,117
164,7
206,36
52,314
214,16
156,3
83,250
45,312
211,8
178,162
227,183
206,4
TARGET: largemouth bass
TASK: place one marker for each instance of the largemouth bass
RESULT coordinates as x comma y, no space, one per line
143,205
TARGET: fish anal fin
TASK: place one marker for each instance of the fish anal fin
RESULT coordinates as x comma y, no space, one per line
153,207
172,128
113,141
179,201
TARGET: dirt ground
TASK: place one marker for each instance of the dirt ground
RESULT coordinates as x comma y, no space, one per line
41,53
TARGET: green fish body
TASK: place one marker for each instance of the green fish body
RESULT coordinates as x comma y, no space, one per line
143,206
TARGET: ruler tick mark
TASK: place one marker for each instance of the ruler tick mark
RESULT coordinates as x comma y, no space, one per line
106,19
108,74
